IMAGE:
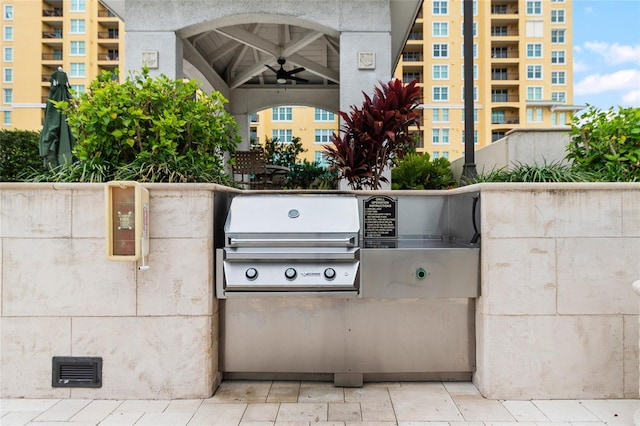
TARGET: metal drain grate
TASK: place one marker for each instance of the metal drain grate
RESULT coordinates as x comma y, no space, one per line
76,372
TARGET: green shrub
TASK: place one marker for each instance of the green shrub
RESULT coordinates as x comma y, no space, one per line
309,175
149,130
558,171
415,171
19,156
607,144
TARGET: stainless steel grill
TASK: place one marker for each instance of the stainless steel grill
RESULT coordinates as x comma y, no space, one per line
288,244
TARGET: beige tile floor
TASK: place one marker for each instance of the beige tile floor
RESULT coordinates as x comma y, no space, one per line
253,403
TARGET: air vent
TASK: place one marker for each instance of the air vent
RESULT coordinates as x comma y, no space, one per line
76,372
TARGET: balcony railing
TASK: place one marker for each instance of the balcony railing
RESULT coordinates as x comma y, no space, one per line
52,34
106,14
505,121
52,12
412,57
108,35
501,54
108,56
503,9
55,56
505,76
415,35
502,32
505,98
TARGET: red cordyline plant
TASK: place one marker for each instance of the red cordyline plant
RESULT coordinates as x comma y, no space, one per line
373,137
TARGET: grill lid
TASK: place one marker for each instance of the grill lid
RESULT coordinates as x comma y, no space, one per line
293,220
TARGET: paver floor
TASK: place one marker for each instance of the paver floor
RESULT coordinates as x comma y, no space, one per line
262,403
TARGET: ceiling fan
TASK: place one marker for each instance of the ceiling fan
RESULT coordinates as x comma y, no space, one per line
282,75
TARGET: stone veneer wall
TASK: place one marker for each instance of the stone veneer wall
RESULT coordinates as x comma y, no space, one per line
556,319
62,297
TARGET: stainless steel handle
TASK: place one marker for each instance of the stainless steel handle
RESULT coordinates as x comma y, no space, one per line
290,241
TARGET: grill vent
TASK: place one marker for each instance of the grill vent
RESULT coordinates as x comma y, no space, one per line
77,372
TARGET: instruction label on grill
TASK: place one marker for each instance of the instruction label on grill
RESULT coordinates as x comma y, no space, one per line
380,217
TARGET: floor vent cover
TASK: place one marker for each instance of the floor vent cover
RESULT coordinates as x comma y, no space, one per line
76,372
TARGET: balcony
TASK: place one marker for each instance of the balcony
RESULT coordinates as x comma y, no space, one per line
52,56
57,34
504,76
48,13
109,56
109,35
504,97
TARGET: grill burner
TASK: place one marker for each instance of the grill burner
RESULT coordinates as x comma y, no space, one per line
290,244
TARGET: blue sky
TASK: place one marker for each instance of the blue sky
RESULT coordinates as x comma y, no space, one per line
606,63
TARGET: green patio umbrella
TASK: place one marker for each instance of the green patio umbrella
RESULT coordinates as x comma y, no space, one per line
56,139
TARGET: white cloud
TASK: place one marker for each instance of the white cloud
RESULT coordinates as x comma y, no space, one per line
614,53
632,98
623,80
580,66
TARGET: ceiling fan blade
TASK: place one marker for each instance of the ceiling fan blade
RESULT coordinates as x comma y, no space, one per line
296,70
271,68
301,80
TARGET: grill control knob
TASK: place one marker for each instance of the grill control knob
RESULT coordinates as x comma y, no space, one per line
251,273
329,273
290,273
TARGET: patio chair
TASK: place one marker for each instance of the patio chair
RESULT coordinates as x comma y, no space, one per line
250,170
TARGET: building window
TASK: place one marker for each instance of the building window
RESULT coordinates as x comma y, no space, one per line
6,118
475,8
558,57
534,93
411,56
321,159
440,29
441,115
282,114
557,36
8,54
322,115
77,70
440,137
445,155
498,117
534,50
323,135
440,93
534,7
475,50
78,5
8,33
8,96
557,16
475,115
475,137
408,77
77,48
558,78
534,29
559,97
440,50
8,12
7,75
77,26
78,88
475,93
534,72
435,154
534,115
441,72
475,29
559,119
440,7
282,135
475,72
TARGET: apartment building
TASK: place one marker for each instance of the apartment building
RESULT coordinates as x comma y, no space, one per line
38,36
314,127
523,75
